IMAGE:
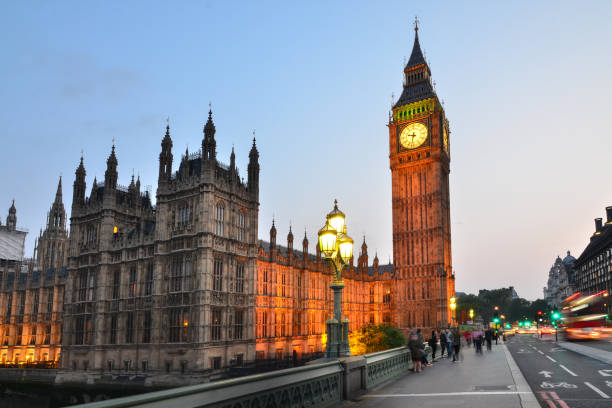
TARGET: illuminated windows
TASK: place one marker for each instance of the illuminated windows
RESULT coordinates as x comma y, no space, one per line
215,327
179,325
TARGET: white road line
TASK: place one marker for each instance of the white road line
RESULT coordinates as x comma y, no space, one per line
551,359
446,394
568,370
542,353
597,390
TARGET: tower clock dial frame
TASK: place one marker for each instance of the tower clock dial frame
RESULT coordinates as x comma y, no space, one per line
413,135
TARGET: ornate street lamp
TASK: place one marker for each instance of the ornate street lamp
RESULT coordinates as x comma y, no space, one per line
337,248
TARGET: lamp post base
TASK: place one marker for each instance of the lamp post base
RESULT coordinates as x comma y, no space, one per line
337,339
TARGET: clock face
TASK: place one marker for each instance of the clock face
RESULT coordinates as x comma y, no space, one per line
413,135
445,140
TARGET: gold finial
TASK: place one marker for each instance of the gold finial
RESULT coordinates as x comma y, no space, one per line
416,24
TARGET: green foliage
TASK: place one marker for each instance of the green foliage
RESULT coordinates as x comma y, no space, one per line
485,302
372,338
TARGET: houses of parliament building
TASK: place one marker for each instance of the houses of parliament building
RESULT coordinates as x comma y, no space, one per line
186,287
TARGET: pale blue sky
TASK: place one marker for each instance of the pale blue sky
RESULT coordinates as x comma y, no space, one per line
526,87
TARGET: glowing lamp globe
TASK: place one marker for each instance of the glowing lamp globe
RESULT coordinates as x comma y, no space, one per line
327,240
336,218
345,244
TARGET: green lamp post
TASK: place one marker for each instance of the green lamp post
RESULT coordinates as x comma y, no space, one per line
337,249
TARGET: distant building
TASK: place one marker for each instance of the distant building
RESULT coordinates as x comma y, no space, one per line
31,291
594,265
561,281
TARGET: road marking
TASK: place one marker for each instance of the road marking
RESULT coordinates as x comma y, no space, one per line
546,374
548,401
551,359
568,370
563,384
542,353
605,373
446,394
597,390
559,400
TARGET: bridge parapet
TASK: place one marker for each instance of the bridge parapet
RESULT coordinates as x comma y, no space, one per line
318,385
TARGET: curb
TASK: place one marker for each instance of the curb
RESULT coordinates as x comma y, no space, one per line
601,355
528,398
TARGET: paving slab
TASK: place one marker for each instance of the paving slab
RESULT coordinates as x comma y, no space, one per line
488,380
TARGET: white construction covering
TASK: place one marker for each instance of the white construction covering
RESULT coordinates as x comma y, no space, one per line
12,244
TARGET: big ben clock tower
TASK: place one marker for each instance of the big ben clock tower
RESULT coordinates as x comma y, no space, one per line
419,155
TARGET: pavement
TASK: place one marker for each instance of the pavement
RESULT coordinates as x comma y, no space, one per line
489,380
560,377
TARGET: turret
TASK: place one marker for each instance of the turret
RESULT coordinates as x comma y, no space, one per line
272,236
253,170
165,159
290,240
110,175
11,219
78,189
209,145
57,214
305,245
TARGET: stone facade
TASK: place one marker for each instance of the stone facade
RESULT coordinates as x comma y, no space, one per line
293,298
165,289
420,166
31,294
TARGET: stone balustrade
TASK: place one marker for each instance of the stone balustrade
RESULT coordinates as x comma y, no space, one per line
320,384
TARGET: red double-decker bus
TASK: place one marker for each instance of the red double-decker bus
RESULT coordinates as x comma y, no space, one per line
586,317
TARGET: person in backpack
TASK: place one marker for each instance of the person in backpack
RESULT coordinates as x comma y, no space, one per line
416,352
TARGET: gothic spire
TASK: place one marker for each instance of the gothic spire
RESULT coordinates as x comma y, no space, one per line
416,57
110,176
209,145
58,193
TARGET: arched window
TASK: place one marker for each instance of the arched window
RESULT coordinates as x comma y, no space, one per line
219,220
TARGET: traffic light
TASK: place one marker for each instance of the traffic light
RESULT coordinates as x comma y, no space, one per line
539,313
495,320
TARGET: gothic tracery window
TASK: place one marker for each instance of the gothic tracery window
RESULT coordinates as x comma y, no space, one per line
219,220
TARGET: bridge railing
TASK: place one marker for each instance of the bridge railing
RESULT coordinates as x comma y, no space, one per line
318,385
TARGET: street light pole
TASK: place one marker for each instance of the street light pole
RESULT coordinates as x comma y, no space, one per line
337,248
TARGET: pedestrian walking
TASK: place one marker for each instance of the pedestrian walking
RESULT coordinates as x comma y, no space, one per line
456,344
416,351
468,337
477,335
488,338
442,342
433,343
449,342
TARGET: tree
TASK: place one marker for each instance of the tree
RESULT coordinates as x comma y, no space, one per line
373,338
